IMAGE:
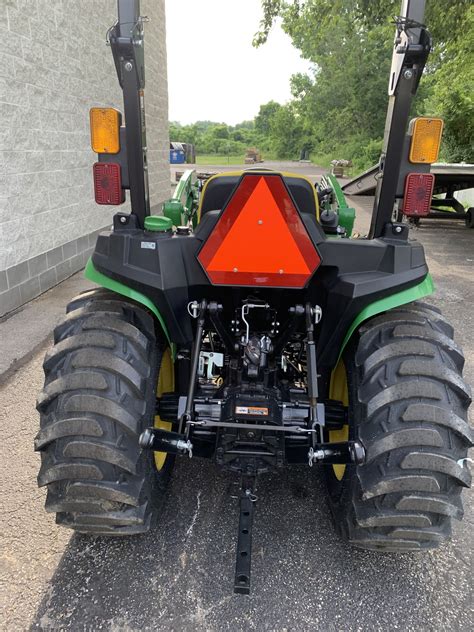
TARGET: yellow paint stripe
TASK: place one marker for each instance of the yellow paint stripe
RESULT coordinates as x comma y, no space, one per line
165,385
338,391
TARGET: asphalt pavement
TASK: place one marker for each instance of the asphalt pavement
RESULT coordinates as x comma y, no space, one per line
179,577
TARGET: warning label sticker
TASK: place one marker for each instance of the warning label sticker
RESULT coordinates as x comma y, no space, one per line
251,410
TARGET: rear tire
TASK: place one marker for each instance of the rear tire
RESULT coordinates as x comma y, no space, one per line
99,394
408,405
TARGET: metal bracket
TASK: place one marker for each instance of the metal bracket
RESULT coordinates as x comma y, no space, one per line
350,452
313,315
411,49
126,41
244,539
160,440
246,307
196,351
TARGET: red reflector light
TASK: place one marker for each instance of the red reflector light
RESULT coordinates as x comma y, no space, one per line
108,183
259,238
418,194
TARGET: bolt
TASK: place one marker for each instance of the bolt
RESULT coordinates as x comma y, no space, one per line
123,220
398,229
128,66
408,74
280,271
260,221
235,270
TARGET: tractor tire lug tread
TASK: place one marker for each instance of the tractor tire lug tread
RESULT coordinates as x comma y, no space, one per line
99,394
410,405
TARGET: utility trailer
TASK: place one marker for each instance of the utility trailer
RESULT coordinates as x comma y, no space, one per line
247,327
448,179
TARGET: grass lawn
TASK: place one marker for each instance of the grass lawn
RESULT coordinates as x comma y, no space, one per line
214,159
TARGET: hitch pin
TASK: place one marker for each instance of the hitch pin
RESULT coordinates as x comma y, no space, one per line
185,446
315,455
252,497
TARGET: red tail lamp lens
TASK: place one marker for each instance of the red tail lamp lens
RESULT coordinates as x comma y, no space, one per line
259,238
108,183
418,194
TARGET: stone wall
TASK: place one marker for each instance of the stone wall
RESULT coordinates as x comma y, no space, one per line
54,66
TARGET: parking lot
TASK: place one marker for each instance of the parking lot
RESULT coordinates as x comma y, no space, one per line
180,576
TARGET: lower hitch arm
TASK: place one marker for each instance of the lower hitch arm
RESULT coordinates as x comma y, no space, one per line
167,441
346,452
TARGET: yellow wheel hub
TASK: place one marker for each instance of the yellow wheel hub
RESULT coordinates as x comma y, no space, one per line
165,385
338,390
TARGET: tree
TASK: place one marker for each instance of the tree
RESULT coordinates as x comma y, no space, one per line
286,132
451,92
265,115
342,103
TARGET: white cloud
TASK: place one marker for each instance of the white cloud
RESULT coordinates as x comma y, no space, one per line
214,73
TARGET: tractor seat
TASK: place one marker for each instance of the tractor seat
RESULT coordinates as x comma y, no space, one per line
219,188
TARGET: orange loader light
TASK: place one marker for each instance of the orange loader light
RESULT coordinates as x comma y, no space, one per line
425,140
105,130
259,238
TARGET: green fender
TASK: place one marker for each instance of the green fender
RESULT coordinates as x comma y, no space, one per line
425,288
97,277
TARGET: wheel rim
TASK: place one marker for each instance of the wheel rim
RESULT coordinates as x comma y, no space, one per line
338,390
165,384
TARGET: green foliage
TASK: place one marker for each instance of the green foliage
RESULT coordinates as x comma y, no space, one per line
452,93
264,116
214,138
218,159
286,133
277,130
339,109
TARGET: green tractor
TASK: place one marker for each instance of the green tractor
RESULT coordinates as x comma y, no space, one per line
246,326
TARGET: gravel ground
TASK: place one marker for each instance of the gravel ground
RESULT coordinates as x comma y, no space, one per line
179,577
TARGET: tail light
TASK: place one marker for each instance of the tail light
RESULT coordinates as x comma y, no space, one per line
259,238
418,194
108,183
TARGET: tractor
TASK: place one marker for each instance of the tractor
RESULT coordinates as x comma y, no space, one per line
248,326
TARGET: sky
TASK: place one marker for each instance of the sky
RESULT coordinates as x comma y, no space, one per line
214,72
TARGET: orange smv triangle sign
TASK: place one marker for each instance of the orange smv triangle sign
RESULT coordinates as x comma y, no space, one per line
259,240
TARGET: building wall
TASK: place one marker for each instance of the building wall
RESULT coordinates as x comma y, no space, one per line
54,66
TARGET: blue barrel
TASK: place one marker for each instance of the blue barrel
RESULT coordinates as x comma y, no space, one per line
177,157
